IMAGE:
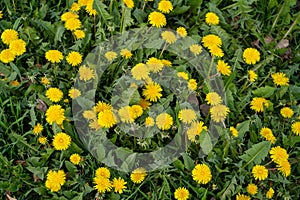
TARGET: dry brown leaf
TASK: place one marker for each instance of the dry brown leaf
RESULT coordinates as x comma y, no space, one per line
283,44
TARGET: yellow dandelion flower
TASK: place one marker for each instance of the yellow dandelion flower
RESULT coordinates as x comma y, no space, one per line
89,114
138,175
74,93
55,180
89,8
55,113
140,71
61,141
181,193
72,24
1,14
110,55
166,62
94,125
75,7
187,116
38,128
192,84
260,172
54,56
9,35
18,47
154,64
211,18
68,15
213,98
74,58
268,134
219,112
83,2
152,92
42,140
211,41
181,31
137,111
125,53
7,56
296,128
164,121
101,106
280,79
102,184
223,68
258,104
129,3
144,104
107,119
45,81
270,193
54,94
201,174
196,49
286,112
183,75
252,189
79,34
119,185
102,172
86,73
165,6
195,129
251,56
252,75
157,19
149,121
75,158
216,51
15,83
242,197
126,114
278,154
234,132
169,37
284,167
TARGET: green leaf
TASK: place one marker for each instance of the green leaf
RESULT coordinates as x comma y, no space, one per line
257,153
266,91
100,8
179,10
178,164
243,128
59,33
188,162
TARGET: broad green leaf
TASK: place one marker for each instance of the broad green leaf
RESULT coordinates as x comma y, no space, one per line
101,10
266,91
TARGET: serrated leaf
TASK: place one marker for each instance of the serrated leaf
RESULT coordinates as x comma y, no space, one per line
257,153
243,128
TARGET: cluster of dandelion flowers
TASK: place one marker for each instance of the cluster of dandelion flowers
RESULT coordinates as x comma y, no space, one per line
169,37
268,134
280,79
54,94
260,172
219,112
251,56
61,141
157,19
107,119
38,128
110,55
86,73
223,68
181,193
211,18
129,3
165,6
54,56
252,75
119,185
286,112
201,174
140,71
55,180
242,197
296,128
258,104
138,175
18,47
55,113
181,31
7,56
74,58
187,116
213,98
75,158
9,35
270,193
252,189
164,121
154,64
152,92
